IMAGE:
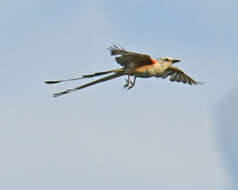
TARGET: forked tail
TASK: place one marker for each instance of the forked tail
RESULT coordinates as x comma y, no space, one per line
89,84
86,76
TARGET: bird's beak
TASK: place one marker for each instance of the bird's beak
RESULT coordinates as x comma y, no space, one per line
175,60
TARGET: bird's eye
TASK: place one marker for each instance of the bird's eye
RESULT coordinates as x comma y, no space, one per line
166,59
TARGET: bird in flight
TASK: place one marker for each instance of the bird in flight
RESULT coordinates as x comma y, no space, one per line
136,65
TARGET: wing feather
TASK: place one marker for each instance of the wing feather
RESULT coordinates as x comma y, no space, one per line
178,76
183,79
129,59
166,74
172,78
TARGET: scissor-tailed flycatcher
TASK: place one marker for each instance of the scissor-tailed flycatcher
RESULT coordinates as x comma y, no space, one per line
137,65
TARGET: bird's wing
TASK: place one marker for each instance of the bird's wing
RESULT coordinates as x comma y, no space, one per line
178,76
129,59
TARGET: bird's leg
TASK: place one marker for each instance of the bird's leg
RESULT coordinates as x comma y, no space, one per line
128,82
132,84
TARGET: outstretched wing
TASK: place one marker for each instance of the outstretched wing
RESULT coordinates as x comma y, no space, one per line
129,59
178,76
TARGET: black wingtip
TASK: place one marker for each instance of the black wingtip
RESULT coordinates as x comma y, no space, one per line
114,49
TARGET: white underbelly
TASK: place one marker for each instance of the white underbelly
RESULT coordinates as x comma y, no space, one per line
149,72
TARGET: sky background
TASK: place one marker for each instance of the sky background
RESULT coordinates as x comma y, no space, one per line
158,135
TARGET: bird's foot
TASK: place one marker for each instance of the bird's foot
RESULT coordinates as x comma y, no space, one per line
128,82
131,86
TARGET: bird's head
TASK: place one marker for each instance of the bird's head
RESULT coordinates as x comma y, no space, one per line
168,60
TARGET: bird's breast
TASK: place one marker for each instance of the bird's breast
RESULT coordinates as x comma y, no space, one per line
145,71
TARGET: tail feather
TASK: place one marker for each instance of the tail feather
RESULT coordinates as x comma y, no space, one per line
89,84
102,73
85,76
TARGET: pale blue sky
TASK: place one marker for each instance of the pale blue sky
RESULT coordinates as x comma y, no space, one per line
159,135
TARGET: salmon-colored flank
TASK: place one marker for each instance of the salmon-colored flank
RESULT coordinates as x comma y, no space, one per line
153,61
140,68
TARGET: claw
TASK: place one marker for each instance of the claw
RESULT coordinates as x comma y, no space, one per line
126,85
128,82
131,86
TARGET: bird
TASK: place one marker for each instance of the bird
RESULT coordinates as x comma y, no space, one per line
133,65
